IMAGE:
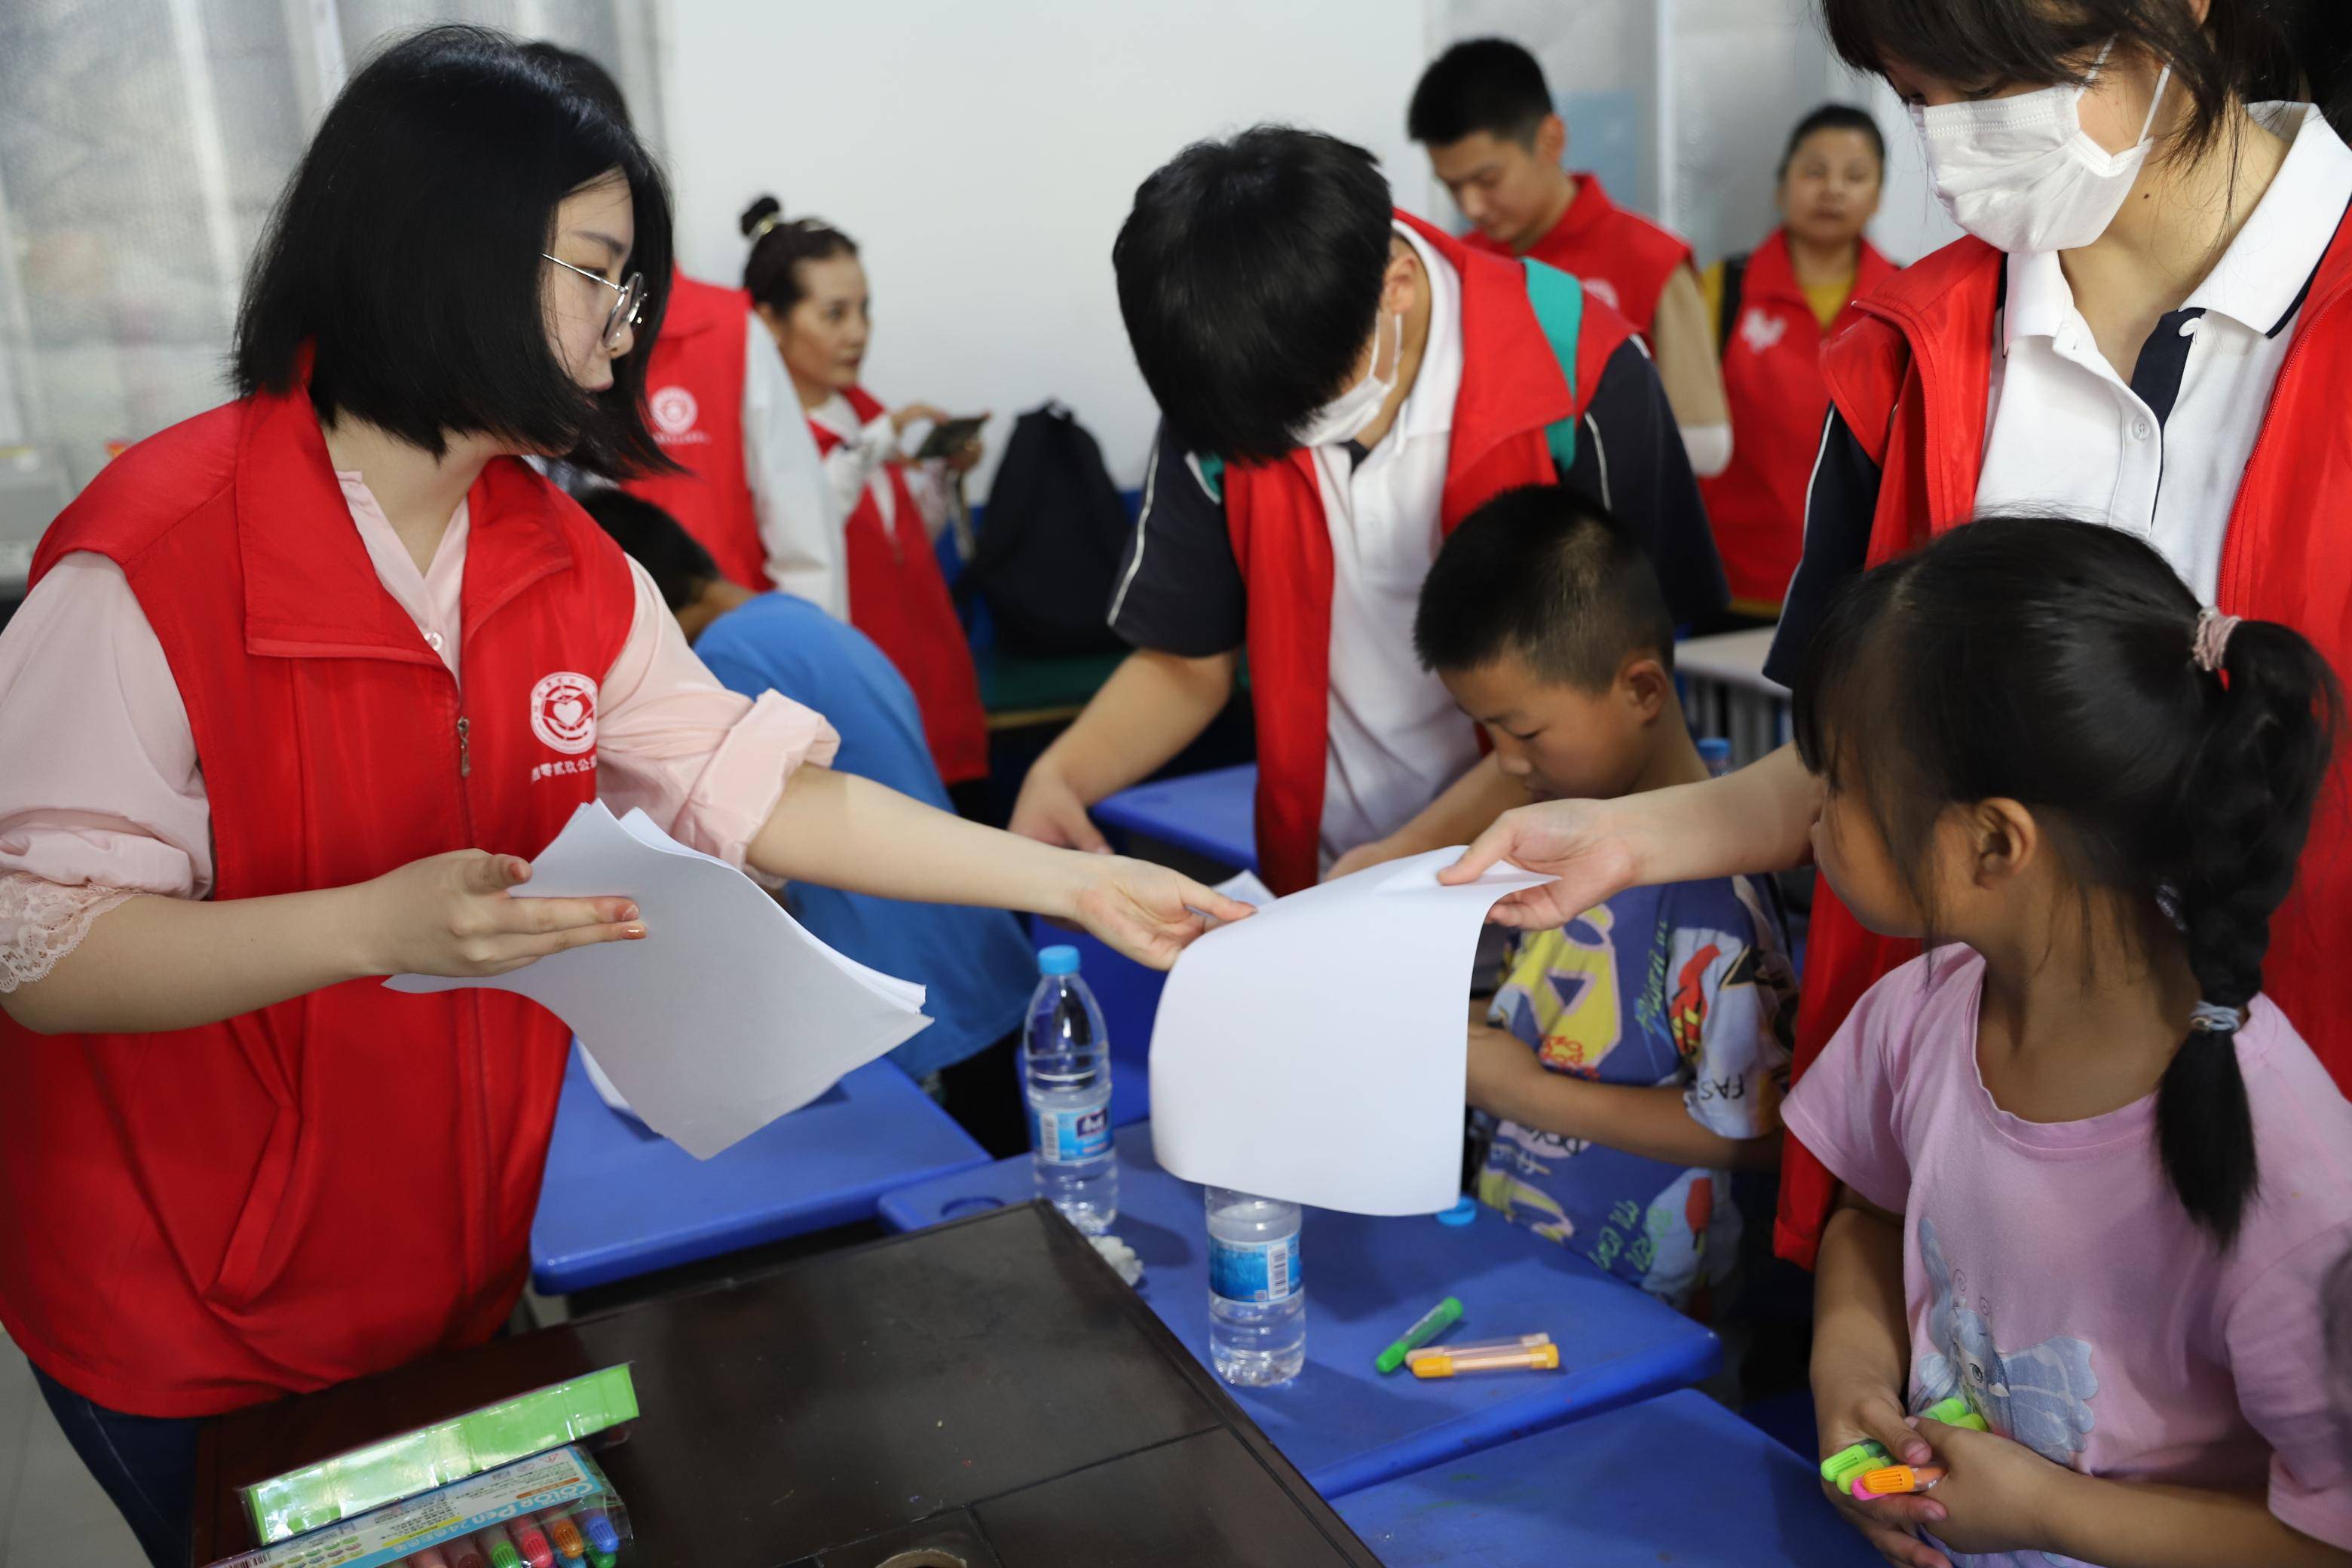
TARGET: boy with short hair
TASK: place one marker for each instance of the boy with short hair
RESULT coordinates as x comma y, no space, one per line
1485,112
1636,1057
1339,384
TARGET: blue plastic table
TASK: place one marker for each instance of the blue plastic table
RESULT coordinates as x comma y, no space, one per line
619,1201
1212,814
1342,1423
1677,1480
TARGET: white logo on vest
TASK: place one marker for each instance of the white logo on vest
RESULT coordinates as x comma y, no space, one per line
1761,331
675,412
1603,290
564,712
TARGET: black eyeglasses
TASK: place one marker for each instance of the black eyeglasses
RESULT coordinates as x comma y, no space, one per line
625,310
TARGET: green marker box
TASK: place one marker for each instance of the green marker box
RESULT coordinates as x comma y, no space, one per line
399,1468
562,1485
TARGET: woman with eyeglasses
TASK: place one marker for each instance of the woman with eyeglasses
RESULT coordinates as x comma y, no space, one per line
297,686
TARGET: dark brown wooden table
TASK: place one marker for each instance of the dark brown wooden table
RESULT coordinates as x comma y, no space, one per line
987,1388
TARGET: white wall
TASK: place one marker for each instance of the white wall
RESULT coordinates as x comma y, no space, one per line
984,156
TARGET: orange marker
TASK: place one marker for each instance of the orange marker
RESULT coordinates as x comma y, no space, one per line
1513,1358
1895,1480
565,1534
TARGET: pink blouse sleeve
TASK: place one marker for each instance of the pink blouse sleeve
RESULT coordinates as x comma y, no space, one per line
102,798
706,763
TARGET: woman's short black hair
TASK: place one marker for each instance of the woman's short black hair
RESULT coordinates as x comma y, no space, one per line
2244,51
1249,276
680,567
405,257
1833,117
772,272
1482,84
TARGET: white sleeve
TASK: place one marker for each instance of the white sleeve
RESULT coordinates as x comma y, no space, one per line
800,521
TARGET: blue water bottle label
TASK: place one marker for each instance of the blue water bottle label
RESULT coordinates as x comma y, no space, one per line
1069,1137
1264,1271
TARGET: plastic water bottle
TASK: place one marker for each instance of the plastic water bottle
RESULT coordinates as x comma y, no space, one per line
1066,1069
1258,1297
1715,753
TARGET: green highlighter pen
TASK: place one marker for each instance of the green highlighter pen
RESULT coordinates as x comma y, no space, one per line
1434,1322
1841,1467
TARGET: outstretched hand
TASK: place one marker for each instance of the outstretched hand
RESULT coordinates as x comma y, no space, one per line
1150,912
1578,841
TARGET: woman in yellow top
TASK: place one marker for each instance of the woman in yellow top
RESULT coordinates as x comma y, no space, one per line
1773,308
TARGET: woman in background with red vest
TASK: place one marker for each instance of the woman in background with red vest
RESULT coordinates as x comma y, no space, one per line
1774,309
806,283
2147,323
748,485
295,684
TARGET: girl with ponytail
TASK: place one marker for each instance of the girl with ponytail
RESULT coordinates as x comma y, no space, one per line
2092,1178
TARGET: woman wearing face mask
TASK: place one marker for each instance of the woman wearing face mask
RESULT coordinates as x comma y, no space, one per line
807,284
2147,323
296,684
1773,308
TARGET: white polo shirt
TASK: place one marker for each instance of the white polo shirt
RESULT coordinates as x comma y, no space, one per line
1396,738
2162,454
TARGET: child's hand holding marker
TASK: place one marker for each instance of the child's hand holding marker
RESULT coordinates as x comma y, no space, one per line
1997,1495
1870,1413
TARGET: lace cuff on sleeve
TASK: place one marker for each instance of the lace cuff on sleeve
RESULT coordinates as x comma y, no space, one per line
41,921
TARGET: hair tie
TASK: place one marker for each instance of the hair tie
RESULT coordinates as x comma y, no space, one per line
2212,640
2207,1018
760,228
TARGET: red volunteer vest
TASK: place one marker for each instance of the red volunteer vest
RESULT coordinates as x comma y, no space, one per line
344,1181
1910,380
1511,390
1772,380
897,597
1622,258
694,389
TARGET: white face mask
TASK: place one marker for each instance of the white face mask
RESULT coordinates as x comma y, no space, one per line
1344,417
2020,174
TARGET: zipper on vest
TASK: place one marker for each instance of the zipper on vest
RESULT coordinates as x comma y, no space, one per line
465,755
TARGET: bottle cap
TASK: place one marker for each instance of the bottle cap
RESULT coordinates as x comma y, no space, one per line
1462,1213
1061,960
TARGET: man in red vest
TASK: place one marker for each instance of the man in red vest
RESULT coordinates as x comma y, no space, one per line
1486,115
752,492
1339,385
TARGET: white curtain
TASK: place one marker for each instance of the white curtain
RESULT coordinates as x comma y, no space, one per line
143,143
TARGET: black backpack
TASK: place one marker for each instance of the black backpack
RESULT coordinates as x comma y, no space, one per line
1050,544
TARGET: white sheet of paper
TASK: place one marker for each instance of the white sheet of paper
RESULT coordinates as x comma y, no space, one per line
727,1015
1315,1051
1245,886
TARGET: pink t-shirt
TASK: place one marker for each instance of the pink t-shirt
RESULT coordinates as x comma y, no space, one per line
2051,1273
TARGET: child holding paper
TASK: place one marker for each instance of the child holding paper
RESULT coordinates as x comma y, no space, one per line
297,684
1635,1055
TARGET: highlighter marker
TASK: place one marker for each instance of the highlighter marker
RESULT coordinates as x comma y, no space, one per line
601,1559
1532,1358
1434,1322
1841,1468
565,1534
1895,1480
531,1542
502,1550
466,1552
428,1557
1479,1347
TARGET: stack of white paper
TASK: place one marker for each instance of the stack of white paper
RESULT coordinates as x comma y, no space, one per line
1316,1052
728,1014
